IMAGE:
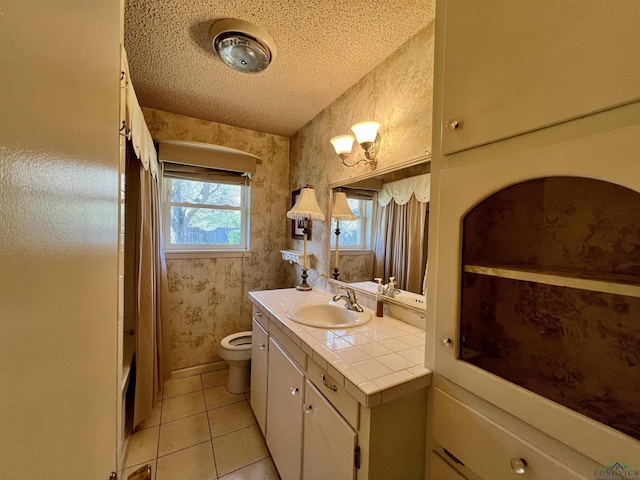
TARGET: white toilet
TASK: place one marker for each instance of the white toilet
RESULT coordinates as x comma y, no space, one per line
235,349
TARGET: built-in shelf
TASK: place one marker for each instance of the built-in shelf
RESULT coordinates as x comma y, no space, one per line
617,285
294,256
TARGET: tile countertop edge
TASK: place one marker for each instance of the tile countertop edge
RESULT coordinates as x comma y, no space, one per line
372,389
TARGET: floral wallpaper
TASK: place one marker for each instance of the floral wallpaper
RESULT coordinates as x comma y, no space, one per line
353,268
398,94
576,347
208,296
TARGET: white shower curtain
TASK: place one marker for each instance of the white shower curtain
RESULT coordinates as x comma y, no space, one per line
400,245
151,321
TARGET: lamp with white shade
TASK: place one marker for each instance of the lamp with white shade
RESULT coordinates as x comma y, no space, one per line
306,209
341,211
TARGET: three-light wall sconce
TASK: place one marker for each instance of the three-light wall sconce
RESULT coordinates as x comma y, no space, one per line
366,133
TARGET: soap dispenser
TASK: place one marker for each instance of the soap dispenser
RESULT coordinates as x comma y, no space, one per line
379,309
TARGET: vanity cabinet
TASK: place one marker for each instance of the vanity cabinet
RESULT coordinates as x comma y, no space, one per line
259,363
514,67
317,429
285,397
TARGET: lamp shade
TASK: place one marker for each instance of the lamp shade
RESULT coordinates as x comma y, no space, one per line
342,143
365,131
341,209
306,206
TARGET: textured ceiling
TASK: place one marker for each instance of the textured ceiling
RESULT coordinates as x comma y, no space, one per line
324,47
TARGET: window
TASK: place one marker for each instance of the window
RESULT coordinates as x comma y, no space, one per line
205,215
355,234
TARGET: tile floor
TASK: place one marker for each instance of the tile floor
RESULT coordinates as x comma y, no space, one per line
200,431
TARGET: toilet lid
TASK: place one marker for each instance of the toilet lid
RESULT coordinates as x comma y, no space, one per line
237,341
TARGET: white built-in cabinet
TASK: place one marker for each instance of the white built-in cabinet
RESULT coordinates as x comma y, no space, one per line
514,67
504,72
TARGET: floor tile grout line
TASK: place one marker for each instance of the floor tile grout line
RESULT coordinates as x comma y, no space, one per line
184,448
197,413
182,394
247,465
213,450
182,418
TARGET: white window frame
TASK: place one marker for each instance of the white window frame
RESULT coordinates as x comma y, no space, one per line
186,250
366,233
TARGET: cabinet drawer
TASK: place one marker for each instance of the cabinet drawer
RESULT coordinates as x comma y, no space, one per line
261,316
486,448
294,351
342,400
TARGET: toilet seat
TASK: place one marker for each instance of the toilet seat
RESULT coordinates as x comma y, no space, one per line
237,341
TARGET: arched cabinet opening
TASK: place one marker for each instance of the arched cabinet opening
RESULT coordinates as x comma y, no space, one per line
550,296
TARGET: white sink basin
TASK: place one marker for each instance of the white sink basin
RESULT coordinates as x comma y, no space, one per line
327,315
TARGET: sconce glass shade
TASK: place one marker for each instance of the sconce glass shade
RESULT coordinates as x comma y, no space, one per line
306,206
341,209
365,131
342,144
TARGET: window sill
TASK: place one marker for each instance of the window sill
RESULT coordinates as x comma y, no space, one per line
181,254
348,251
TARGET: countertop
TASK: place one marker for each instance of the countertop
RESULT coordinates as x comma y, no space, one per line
376,362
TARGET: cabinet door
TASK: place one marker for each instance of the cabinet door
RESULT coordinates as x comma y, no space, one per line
284,413
329,441
259,365
513,67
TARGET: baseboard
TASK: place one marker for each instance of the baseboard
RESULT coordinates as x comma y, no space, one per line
198,370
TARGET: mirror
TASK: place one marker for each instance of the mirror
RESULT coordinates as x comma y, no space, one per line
377,243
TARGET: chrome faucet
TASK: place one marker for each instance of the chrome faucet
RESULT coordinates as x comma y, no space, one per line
390,289
351,300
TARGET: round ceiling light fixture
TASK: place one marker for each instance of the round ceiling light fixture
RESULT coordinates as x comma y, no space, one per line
241,45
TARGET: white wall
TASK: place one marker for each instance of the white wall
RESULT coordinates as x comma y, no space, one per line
58,238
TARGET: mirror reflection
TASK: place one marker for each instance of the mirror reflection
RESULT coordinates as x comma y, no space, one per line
386,234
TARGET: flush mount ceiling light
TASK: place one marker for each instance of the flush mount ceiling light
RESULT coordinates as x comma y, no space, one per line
367,136
241,45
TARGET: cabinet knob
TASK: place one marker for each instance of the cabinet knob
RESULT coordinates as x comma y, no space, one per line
447,342
452,124
519,465
294,390
261,346
258,314
307,408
